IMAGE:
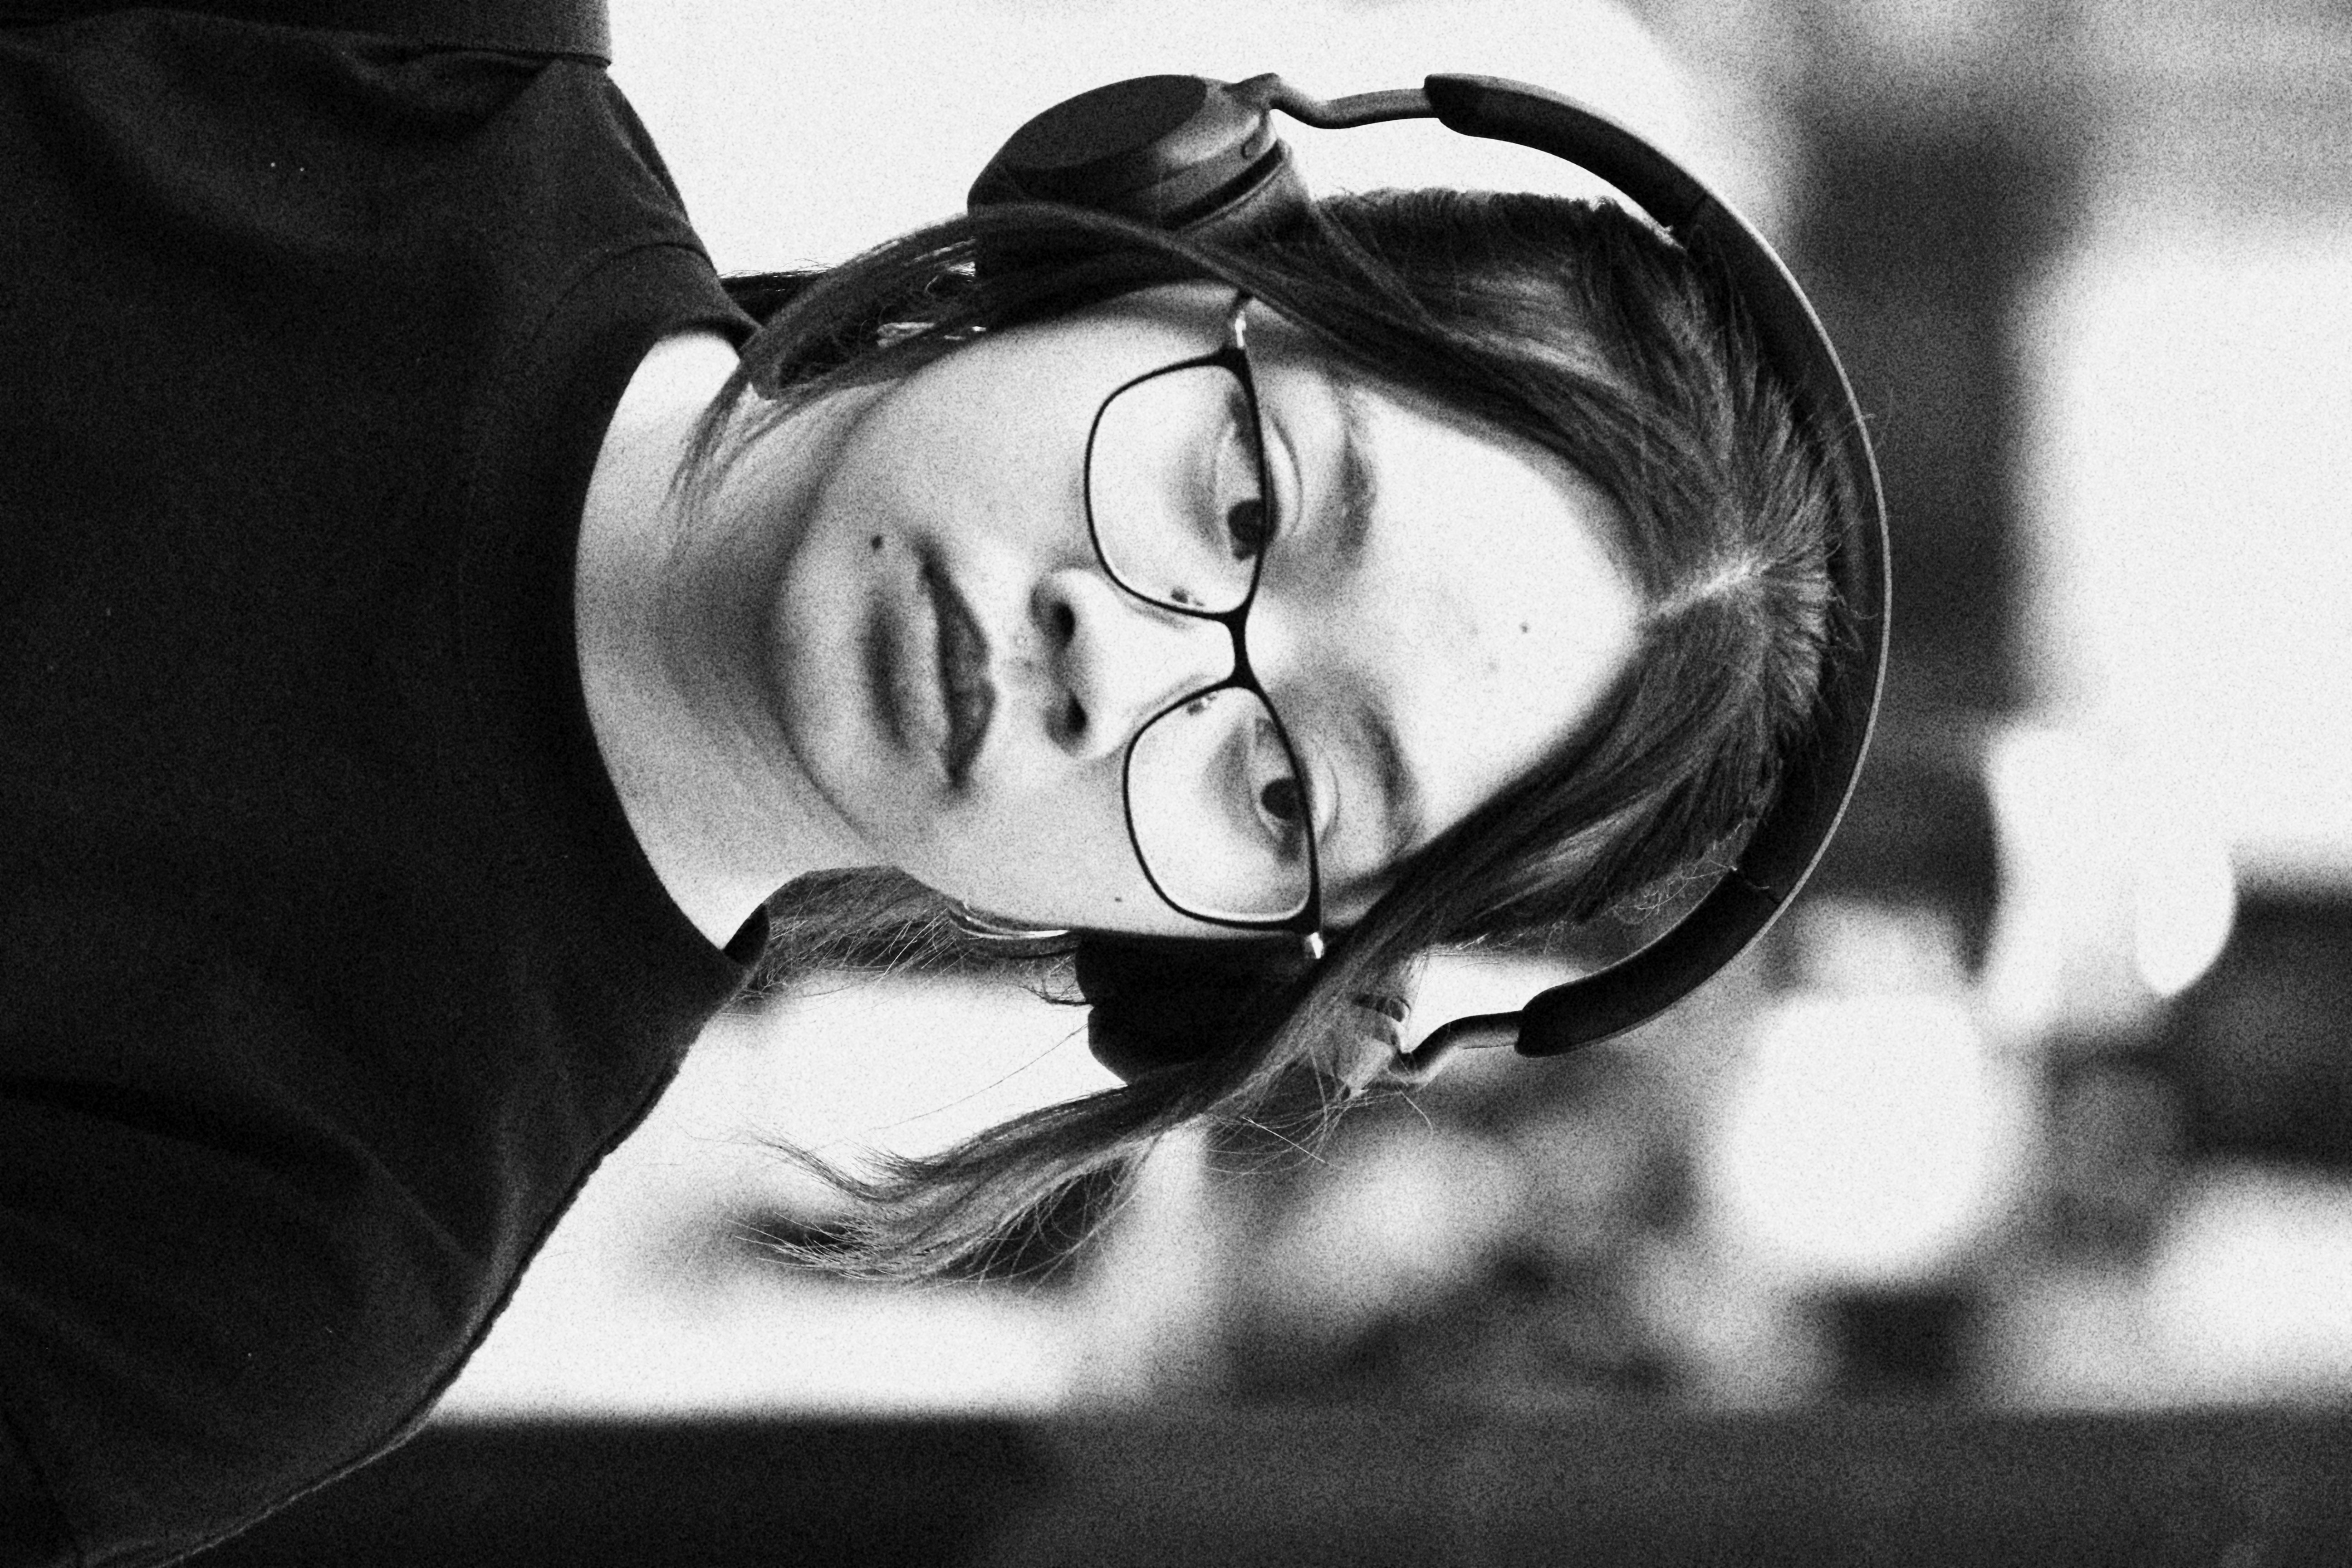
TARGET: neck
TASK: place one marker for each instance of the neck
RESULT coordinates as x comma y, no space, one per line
670,617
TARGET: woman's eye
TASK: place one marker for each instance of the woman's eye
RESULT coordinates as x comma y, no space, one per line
1246,527
1245,520
1281,800
1277,795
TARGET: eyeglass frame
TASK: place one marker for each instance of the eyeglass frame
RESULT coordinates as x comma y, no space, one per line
1232,357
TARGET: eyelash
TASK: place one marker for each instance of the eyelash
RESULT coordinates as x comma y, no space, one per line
1268,525
1249,457
1287,832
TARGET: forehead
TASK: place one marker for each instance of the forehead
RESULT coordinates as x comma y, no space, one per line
1484,612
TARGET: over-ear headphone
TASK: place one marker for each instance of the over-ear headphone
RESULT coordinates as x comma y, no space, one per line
1185,153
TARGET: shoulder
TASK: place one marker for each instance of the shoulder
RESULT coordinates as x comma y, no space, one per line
210,1300
574,28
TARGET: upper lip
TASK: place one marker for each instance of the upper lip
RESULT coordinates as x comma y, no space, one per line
965,690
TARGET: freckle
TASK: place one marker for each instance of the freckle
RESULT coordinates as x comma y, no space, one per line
1523,626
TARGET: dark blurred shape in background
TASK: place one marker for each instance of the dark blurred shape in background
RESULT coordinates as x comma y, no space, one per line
2261,1047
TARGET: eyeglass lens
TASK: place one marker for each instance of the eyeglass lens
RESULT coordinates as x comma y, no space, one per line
1176,491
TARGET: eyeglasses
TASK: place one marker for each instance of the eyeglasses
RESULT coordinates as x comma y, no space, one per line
1180,510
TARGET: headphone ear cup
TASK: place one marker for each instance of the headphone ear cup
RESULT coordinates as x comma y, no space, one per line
1178,153
1157,1002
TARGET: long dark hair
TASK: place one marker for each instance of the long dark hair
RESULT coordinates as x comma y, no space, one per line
1571,324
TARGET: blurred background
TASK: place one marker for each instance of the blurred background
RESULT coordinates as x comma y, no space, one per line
2039,1102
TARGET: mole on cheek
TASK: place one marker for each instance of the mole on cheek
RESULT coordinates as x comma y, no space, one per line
875,545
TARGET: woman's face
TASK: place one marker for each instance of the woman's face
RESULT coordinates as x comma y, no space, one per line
958,676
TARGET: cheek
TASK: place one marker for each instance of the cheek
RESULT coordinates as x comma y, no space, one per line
1048,859
1485,685
1004,504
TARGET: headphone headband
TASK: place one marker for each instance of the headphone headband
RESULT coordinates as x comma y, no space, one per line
1187,152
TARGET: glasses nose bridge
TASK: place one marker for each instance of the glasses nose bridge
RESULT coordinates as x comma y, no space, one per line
1203,652
1132,660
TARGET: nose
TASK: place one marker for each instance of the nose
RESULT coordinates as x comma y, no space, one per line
1116,660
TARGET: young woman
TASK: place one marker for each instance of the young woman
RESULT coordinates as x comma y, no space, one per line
434,623
1534,597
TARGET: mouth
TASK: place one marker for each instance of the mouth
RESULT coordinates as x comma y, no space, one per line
966,693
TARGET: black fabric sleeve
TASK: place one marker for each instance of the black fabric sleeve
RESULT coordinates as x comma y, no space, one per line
573,29
329,965
32,1535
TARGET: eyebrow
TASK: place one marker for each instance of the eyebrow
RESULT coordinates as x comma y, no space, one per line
1356,500
1357,494
1401,807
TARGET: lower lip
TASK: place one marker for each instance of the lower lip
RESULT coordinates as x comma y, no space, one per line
966,700
901,653
923,667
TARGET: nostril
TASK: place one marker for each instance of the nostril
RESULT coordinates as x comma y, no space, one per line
1068,723
1063,624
